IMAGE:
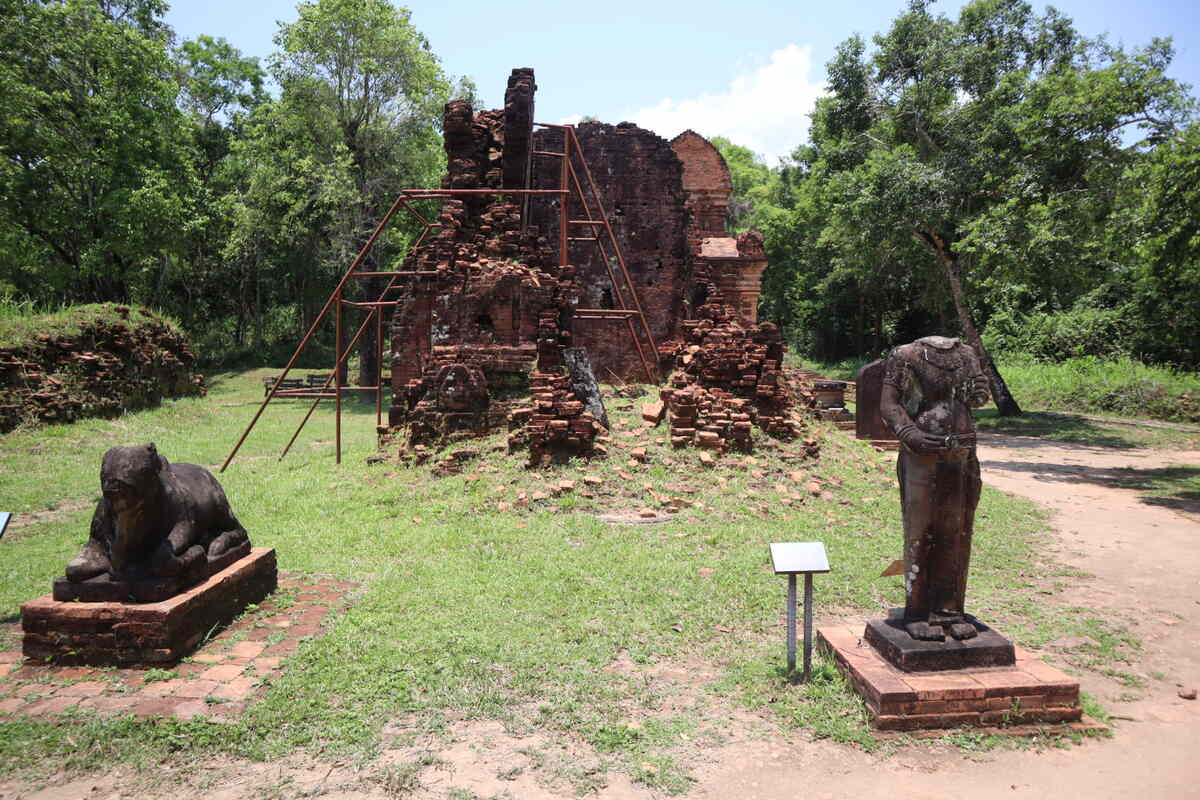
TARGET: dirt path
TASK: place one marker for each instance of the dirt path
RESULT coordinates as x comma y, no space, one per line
1142,551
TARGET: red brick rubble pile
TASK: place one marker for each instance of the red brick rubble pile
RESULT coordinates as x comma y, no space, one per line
727,380
556,425
116,360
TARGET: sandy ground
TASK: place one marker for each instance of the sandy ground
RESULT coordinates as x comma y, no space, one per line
1142,553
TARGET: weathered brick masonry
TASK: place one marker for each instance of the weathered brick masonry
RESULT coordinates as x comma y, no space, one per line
491,309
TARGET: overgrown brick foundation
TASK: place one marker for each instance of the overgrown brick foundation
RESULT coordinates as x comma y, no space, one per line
117,359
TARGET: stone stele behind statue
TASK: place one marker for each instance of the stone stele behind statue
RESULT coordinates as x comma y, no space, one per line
159,529
929,389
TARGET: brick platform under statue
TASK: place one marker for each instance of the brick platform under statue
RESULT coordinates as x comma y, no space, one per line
145,633
1030,691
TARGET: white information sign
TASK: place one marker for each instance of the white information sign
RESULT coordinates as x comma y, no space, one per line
791,558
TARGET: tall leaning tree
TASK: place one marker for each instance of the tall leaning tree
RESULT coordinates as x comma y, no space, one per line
992,143
360,67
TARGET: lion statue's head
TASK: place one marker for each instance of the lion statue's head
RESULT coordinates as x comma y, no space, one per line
128,475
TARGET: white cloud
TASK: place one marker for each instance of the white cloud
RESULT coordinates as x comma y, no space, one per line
765,110
573,119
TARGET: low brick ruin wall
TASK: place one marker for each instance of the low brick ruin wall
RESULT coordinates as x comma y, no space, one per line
116,359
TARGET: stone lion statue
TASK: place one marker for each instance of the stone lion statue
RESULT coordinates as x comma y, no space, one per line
156,519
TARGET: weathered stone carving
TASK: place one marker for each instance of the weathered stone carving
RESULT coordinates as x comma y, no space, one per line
868,389
929,389
159,528
460,388
451,401
584,384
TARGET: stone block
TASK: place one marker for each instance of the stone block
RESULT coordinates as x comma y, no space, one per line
987,649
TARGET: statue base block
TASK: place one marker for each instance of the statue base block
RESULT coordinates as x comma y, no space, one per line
103,589
1028,691
986,649
104,633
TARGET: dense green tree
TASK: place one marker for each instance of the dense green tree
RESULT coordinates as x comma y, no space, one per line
292,185
97,188
1164,226
754,184
219,90
993,142
360,68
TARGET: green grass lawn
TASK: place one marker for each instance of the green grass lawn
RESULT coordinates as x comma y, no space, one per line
1086,430
471,610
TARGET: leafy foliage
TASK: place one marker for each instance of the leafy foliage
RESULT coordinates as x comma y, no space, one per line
970,169
135,170
995,172
97,184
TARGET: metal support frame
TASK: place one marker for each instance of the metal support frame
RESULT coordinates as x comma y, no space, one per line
568,180
600,218
791,623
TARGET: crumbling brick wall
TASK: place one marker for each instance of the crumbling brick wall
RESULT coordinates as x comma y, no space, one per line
706,184
726,378
734,266
489,299
490,295
119,359
640,182
518,128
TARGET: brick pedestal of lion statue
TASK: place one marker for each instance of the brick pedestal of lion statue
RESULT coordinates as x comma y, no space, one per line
166,562
126,634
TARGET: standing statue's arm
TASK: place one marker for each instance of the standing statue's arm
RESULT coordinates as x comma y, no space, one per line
892,410
893,413
977,392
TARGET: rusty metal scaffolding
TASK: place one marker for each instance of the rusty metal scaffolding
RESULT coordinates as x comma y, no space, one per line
570,185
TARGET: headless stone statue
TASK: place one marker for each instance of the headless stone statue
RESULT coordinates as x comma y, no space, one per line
929,389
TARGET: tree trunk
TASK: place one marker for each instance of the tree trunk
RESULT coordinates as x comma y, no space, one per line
1006,404
860,334
368,345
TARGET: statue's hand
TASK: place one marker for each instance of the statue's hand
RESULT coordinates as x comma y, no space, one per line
980,391
919,441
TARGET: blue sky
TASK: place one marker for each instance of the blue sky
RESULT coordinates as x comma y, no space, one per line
749,70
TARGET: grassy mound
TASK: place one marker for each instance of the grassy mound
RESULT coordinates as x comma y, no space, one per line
87,361
1119,386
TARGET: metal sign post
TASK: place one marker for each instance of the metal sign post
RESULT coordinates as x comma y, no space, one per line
792,559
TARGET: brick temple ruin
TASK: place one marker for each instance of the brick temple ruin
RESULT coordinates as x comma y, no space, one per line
498,292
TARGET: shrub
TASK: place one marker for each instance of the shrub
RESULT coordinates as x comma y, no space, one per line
1060,335
1121,386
